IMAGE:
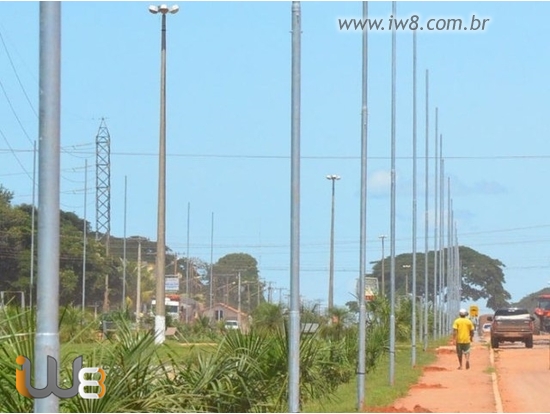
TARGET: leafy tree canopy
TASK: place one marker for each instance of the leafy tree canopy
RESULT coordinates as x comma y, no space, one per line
482,276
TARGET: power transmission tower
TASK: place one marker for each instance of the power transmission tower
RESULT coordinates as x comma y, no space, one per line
103,195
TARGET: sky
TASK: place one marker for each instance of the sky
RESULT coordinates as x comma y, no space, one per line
228,128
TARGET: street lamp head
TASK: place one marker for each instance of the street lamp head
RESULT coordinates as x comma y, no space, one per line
163,8
333,177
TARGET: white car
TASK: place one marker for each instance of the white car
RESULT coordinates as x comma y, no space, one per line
486,327
231,325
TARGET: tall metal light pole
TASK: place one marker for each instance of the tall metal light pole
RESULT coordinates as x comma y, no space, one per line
294,322
160,318
426,217
188,262
436,176
361,358
413,339
138,289
332,178
239,300
441,233
383,290
31,293
211,283
47,300
124,249
84,239
392,213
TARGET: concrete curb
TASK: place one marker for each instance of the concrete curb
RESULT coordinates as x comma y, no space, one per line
494,380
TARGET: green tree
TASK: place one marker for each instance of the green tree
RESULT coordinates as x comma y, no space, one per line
225,275
14,228
482,276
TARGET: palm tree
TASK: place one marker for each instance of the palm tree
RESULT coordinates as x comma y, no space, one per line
268,316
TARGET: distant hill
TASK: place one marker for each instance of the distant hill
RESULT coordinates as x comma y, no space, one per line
530,301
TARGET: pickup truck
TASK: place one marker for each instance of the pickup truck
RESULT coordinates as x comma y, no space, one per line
511,325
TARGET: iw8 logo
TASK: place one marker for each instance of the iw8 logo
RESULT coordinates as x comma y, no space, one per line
23,380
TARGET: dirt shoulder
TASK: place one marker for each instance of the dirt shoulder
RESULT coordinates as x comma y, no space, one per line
443,388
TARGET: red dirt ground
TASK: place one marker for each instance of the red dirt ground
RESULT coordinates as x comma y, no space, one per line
444,389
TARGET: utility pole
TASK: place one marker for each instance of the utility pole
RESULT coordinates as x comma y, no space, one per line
393,196
124,252
362,329
47,315
259,291
443,252
138,294
426,218
269,293
188,261
31,294
333,178
294,314
160,316
211,284
406,279
84,231
383,290
436,175
413,339
239,300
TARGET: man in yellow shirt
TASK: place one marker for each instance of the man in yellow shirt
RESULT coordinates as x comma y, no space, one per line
463,335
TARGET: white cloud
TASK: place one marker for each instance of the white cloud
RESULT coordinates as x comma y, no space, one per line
379,182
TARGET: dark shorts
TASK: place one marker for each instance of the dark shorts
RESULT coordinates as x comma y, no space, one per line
462,348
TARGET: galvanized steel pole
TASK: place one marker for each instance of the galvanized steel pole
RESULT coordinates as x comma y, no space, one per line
383,278
160,318
84,241
47,301
441,234
426,217
31,293
138,293
436,176
239,300
362,337
211,262
294,331
124,247
333,178
392,220
413,340
188,262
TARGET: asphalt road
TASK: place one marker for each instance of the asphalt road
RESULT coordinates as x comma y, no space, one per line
523,376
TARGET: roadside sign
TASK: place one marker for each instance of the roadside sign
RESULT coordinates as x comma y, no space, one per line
171,284
474,311
371,288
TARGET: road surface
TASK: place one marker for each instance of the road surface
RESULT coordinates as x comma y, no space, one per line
511,379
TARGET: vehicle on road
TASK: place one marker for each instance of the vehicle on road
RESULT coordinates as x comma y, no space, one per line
542,314
231,324
486,327
511,325
171,307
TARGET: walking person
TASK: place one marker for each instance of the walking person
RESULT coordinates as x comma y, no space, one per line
463,335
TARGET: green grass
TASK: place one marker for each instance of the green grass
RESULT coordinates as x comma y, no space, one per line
172,347
379,392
